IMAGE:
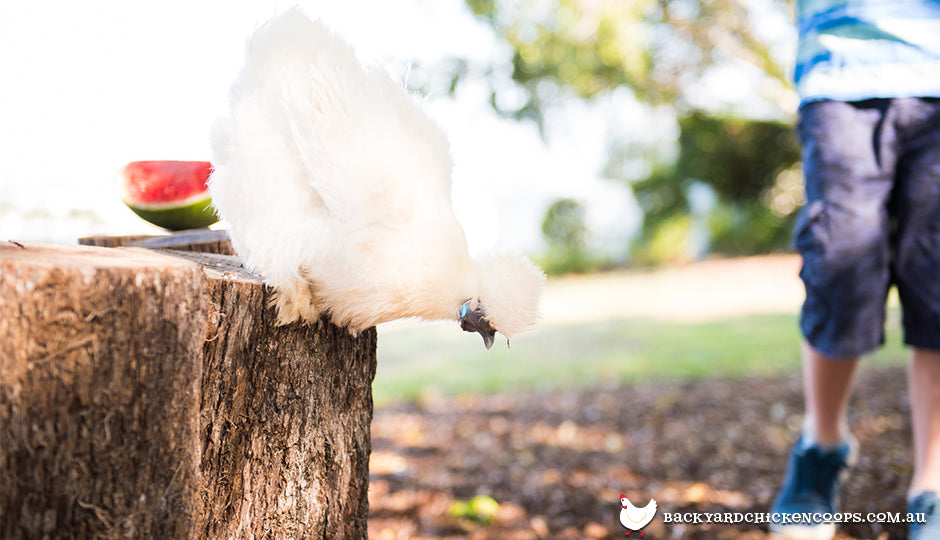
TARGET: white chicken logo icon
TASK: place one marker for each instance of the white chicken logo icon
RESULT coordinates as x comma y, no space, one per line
634,518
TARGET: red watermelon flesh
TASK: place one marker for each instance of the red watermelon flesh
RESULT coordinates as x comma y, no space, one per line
155,182
170,194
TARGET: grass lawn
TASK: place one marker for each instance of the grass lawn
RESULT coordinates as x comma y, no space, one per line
434,359
623,346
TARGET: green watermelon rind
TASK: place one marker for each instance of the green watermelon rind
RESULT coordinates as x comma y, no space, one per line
194,213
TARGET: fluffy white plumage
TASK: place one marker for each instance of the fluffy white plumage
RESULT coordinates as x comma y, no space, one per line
336,188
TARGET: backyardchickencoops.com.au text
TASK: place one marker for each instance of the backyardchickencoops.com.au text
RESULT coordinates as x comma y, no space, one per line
793,519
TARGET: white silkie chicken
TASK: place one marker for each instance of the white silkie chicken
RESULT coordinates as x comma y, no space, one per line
633,518
337,188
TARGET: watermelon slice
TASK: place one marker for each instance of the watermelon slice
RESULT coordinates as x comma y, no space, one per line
169,194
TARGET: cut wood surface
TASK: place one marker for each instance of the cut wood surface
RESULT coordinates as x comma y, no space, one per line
149,394
202,240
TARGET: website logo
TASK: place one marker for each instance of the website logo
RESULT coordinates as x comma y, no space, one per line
633,518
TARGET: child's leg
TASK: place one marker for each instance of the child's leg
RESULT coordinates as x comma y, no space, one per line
924,384
843,234
827,384
916,204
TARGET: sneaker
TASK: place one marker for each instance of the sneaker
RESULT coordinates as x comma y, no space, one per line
927,504
811,486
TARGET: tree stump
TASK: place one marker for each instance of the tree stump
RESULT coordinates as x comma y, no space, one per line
202,240
150,394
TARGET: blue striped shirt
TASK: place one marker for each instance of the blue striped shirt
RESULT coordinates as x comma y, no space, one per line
851,50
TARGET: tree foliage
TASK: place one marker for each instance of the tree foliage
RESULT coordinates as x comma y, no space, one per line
660,50
747,164
565,232
655,47
564,224
738,158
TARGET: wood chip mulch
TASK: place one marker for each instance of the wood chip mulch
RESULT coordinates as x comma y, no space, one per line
557,462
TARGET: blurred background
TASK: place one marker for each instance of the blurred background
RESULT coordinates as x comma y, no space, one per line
592,133
605,138
641,151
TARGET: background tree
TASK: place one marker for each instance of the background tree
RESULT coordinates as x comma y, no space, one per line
657,48
565,233
749,165
663,52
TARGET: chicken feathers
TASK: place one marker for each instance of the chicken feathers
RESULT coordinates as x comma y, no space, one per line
337,188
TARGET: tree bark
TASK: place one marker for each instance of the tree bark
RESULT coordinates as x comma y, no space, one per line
151,395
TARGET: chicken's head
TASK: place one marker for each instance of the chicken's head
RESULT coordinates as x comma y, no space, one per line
474,320
510,287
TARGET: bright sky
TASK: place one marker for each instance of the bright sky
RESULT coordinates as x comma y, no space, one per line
91,85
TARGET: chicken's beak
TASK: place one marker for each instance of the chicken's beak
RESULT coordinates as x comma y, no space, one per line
474,321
